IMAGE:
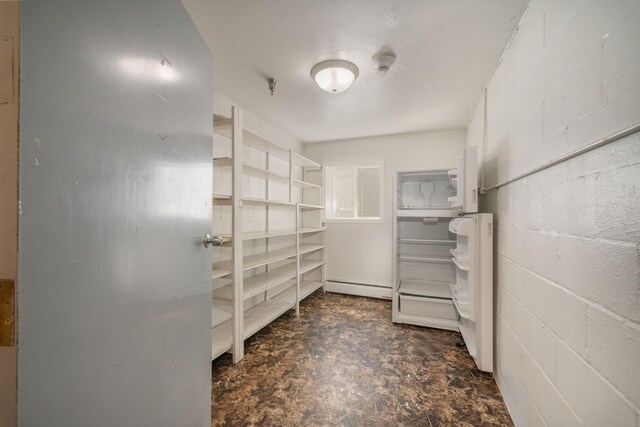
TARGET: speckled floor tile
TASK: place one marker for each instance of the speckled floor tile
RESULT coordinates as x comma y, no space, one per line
344,363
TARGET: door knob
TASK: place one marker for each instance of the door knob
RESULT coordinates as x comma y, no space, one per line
212,240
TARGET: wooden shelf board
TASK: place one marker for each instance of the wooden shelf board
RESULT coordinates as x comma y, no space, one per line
308,206
306,230
259,142
220,269
262,282
304,184
222,200
306,265
288,295
222,125
220,283
221,339
263,173
307,287
220,313
251,201
219,162
308,248
268,234
261,315
264,258
300,160
224,293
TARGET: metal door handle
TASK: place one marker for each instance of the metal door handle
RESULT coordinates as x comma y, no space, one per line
212,240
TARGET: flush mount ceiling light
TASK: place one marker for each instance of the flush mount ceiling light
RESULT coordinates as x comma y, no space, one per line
334,76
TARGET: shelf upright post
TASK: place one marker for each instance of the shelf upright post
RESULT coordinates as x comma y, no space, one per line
297,259
322,202
237,319
267,209
291,176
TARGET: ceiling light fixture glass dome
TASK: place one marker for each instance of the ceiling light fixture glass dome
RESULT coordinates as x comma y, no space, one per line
334,76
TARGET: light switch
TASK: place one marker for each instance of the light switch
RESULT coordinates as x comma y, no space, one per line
7,70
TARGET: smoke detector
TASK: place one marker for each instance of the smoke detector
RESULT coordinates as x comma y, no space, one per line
384,62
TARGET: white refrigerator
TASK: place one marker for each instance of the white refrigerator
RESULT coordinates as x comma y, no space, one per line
443,255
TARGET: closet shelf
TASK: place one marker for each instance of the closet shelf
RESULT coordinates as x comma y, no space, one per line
425,288
427,241
307,287
435,259
219,162
264,258
300,160
306,230
268,234
308,248
307,265
221,123
304,184
261,315
220,314
308,206
220,269
220,283
262,173
222,200
251,201
259,259
221,339
259,283
224,126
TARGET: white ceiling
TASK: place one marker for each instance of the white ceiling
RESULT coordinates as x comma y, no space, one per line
446,52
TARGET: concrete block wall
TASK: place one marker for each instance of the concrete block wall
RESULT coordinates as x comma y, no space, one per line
567,280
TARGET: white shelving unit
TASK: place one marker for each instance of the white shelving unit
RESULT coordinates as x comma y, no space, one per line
263,272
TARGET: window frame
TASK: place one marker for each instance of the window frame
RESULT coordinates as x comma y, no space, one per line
328,192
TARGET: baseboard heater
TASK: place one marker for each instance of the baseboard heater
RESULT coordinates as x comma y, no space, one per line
360,289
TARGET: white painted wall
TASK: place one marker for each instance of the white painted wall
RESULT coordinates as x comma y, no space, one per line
567,281
362,252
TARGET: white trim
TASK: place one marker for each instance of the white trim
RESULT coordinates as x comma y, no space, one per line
357,289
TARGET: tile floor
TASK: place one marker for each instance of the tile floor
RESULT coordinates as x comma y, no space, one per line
344,363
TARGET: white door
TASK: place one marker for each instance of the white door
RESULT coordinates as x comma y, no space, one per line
115,186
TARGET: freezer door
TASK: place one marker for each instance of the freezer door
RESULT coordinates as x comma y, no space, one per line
472,291
464,179
470,187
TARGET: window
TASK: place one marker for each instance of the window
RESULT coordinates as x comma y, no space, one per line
353,193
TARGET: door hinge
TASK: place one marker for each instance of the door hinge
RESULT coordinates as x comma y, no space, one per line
7,312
